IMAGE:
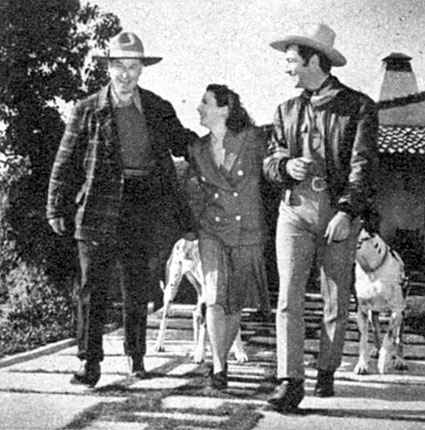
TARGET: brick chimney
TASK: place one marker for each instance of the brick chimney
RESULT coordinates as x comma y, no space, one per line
400,81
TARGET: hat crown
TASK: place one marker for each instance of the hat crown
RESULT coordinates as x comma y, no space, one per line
126,43
317,36
322,34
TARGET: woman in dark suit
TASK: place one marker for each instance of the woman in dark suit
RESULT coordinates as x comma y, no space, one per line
224,190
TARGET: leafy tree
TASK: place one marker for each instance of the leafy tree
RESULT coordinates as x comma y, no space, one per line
44,64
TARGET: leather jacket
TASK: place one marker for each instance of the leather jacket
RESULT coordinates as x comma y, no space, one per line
350,124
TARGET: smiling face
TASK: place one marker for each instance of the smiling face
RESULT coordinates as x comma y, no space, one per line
303,74
211,114
124,74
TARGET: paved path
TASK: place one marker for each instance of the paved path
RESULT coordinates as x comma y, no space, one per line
35,392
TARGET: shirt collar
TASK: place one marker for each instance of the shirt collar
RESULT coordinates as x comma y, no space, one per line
135,98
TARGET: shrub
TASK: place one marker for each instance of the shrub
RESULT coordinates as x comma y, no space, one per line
46,315
45,47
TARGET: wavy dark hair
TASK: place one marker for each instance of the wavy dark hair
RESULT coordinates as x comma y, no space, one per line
306,52
238,118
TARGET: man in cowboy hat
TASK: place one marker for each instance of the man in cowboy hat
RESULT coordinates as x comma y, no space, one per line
114,165
323,153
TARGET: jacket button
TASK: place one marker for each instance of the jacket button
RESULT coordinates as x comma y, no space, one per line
203,178
240,172
237,217
217,219
216,195
235,193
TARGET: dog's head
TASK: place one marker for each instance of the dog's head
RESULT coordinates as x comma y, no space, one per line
371,250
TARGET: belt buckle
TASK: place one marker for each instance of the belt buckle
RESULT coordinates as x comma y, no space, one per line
318,184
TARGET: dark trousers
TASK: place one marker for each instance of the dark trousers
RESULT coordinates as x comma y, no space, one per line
139,253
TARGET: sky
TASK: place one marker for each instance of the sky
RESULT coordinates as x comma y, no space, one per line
227,42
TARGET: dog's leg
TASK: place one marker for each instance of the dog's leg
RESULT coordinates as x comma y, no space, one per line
376,329
389,344
194,276
238,350
159,344
362,367
399,362
201,338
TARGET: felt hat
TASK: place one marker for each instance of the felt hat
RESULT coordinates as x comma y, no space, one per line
128,45
317,36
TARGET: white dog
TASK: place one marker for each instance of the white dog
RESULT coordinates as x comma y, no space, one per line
185,261
379,284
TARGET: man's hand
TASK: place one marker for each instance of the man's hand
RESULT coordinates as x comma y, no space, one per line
339,228
58,225
297,168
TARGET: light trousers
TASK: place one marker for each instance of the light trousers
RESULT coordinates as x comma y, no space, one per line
300,242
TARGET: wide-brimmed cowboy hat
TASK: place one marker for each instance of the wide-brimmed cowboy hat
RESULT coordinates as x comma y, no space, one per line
127,45
318,36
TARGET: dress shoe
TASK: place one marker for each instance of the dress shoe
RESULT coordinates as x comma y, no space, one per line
89,374
138,370
325,384
288,395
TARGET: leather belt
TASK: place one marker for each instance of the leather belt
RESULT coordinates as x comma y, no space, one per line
136,174
318,184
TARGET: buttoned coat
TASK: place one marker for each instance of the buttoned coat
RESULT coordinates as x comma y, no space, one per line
88,174
227,201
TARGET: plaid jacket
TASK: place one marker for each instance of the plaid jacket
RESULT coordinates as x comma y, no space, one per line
87,173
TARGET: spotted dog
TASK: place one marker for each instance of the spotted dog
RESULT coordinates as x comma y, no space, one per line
380,284
185,261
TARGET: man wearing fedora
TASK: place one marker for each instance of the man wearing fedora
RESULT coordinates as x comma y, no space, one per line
114,166
323,154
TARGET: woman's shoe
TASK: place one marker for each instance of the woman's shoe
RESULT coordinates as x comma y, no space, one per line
219,380
211,369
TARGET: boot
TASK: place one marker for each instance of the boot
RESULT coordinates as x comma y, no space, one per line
325,384
89,374
288,395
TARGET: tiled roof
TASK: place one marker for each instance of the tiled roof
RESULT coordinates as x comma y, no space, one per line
393,139
396,139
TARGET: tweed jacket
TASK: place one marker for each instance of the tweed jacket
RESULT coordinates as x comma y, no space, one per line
350,125
227,202
88,173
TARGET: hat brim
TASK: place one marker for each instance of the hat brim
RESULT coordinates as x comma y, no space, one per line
336,58
147,61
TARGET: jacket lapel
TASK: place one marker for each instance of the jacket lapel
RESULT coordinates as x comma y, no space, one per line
210,169
104,114
232,149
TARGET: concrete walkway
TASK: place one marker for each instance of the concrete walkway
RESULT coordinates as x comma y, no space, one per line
35,392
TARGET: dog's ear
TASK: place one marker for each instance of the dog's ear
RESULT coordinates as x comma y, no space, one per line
370,221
